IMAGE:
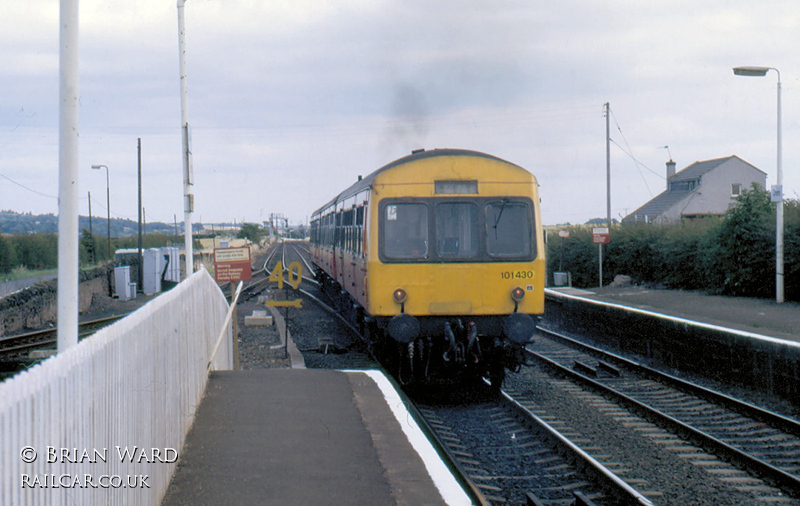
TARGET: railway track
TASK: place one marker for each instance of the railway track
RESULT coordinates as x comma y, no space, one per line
23,344
527,460
507,451
751,450
511,456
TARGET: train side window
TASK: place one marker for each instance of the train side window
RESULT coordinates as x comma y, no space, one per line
338,230
508,229
457,230
405,231
359,231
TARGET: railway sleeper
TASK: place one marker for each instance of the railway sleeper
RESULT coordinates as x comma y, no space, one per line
594,372
580,499
585,368
608,368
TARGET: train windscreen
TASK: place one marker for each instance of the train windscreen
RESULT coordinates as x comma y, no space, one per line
405,231
457,230
508,229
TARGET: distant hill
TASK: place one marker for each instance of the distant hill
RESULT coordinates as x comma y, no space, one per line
16,223
601,221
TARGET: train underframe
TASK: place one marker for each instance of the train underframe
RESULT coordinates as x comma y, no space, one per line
446,350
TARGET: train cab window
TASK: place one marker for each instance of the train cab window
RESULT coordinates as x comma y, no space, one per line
405,231
457,230
508,229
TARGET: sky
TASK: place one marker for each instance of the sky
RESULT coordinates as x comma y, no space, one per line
289,101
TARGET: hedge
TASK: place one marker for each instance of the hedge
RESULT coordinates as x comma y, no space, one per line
730,255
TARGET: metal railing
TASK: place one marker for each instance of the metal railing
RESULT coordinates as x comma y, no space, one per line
104,421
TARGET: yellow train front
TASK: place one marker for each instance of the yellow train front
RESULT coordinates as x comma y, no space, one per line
438,258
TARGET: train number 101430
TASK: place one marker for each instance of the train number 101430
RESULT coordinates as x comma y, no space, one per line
518,274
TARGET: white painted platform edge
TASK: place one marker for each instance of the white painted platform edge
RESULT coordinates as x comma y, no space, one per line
451,490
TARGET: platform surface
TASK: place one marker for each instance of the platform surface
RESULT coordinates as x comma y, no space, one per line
758,316
304,436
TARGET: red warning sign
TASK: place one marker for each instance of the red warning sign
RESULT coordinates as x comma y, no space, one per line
600,235
232,264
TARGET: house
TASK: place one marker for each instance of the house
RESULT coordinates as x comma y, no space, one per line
702,189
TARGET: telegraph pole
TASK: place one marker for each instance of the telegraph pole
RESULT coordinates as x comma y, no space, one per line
607,113
608,166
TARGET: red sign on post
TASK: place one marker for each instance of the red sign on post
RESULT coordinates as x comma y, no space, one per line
232,264
600,236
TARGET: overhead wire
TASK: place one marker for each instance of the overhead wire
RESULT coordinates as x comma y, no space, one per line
629,152
26,188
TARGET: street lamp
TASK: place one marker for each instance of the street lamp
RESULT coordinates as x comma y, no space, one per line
108,205
777,190
188,178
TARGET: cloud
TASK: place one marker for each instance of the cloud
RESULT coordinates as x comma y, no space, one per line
290,100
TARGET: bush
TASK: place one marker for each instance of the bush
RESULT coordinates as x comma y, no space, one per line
747,246
689,249
734,255
791,249
579,255
637,252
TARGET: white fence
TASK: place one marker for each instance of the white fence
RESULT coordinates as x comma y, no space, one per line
104,422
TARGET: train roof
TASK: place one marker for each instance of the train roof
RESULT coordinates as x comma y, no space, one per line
422,154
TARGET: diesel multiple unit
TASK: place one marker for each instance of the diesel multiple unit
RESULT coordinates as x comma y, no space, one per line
438,258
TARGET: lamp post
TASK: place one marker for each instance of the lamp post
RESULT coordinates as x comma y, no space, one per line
68,230
188,178
108,206
777,190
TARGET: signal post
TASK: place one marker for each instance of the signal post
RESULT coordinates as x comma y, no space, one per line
232,265
601,236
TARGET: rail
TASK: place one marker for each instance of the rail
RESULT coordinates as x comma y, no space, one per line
104,421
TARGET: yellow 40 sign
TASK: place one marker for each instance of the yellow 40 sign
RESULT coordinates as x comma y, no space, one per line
294,277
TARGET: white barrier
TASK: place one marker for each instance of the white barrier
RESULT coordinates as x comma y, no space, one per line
104,422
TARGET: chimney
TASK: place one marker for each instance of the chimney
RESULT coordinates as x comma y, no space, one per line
670,171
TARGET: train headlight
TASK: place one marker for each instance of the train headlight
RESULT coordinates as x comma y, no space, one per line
399,295
517,294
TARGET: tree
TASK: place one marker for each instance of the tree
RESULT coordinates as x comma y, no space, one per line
37,251
88,247
8,256
252,232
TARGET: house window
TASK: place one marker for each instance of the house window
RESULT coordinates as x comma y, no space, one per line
684,185
736,189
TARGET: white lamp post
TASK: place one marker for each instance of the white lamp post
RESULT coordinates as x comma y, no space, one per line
68,98
777,190
108,207
188,197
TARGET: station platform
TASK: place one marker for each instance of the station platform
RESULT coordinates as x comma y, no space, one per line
307,436
758,316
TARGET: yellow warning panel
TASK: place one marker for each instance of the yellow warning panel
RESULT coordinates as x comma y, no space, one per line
298,303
